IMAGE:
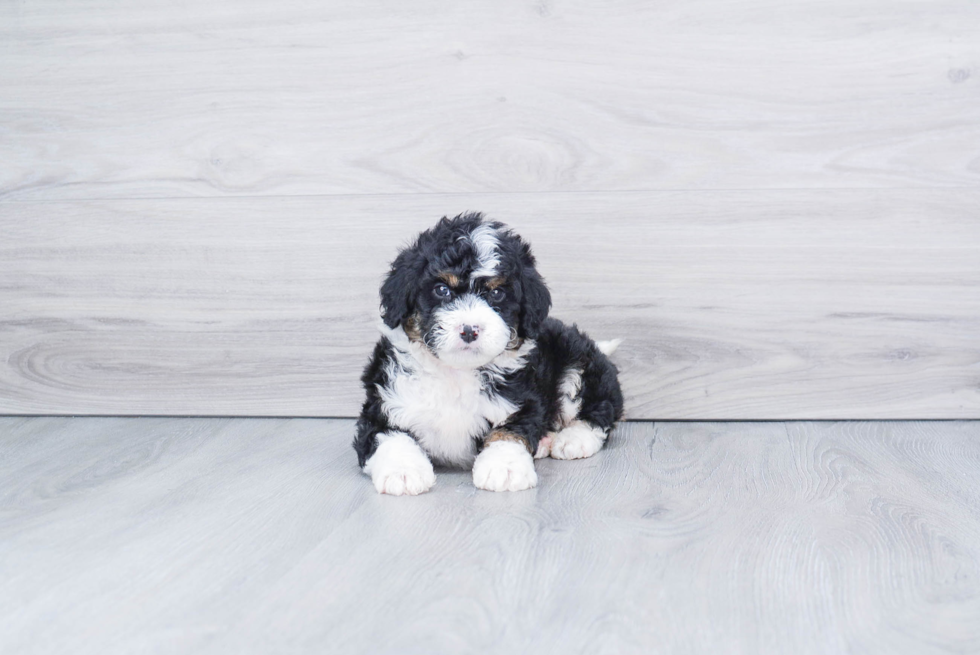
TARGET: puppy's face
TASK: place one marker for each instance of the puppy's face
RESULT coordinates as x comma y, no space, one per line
467,290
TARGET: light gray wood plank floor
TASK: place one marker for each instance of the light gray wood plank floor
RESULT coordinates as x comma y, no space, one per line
167,535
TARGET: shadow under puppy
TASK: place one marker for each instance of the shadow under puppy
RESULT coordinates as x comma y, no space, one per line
471,372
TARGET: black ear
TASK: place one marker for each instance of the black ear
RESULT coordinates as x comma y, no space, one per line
399,288
536,300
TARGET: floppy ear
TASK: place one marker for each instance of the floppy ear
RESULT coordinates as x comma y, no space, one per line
536,300
399,289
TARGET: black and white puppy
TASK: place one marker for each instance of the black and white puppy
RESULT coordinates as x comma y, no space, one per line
471,372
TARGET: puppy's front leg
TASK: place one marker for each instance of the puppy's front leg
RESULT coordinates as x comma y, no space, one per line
505,463
399,466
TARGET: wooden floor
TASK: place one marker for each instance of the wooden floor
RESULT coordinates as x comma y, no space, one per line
164,535
773,202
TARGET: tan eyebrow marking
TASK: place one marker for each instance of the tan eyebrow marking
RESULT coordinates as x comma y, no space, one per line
495,282
449,278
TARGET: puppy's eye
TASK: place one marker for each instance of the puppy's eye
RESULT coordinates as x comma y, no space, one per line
442,291
496,295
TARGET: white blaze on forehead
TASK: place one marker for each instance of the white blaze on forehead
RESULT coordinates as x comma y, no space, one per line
484,240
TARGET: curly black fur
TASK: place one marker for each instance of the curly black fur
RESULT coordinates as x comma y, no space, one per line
446,254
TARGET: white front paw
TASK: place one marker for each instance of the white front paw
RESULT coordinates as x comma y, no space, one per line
504,466
400,467
406,481
576,441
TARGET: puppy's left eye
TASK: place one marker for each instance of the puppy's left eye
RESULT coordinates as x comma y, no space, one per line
496,295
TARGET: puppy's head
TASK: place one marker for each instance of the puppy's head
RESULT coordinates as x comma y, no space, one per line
467,290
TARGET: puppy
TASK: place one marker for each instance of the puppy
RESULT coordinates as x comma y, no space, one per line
471,372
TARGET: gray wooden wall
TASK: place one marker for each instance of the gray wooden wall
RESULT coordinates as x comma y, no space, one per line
776,204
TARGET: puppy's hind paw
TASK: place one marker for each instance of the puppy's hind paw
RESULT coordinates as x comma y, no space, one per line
544,446
504,466
576,441
399,467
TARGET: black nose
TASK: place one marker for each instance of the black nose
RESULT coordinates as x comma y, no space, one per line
469,333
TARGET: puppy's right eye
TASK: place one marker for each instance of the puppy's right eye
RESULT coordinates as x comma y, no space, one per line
442,291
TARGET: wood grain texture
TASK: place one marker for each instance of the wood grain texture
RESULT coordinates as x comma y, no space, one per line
734,305
167,98
259,536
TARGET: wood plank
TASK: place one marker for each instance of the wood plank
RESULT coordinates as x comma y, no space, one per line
166,98
258,536
157,517
733,305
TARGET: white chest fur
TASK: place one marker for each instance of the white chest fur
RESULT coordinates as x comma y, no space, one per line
445,408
